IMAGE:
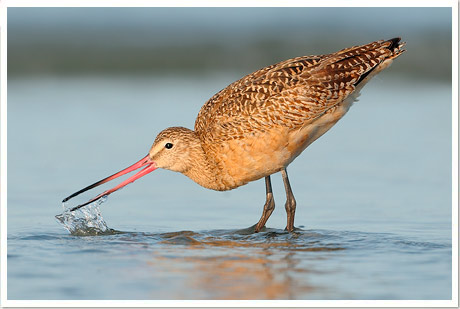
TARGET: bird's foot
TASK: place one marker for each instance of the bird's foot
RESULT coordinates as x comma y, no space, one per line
258,227
290,228
251,230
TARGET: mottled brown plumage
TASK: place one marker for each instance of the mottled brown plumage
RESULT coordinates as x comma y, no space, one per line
259,124
289,93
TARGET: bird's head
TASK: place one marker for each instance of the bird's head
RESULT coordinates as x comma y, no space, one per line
172,149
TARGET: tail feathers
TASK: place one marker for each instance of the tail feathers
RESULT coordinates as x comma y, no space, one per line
352,65
392,49
395,45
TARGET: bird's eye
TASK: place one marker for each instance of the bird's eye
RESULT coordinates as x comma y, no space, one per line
168,145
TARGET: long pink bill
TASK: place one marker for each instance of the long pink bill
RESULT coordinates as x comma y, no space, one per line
149,167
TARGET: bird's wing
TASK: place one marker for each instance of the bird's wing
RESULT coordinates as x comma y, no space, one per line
290,93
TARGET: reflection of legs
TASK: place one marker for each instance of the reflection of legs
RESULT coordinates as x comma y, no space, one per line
290,201
268,207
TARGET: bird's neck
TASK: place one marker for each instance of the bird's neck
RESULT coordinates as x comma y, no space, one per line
202,169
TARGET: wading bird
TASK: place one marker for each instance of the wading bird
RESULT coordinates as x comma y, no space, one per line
259,124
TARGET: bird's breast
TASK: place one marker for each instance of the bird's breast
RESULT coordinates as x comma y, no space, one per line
252,157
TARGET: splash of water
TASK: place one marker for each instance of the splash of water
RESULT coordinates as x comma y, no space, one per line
85,221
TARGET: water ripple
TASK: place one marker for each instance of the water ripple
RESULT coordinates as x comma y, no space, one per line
299,240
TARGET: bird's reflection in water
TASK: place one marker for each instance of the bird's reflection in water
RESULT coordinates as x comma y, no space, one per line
239,265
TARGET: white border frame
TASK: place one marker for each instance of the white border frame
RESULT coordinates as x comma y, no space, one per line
228,3
228,303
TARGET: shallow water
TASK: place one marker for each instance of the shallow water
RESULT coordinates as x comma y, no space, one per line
233,264
373,194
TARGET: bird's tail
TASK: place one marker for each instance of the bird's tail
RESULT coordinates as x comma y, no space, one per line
357,64
396,47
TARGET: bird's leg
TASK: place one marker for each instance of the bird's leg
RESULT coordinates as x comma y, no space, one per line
268,207
290,202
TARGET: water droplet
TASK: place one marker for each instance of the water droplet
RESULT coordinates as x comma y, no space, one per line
87,220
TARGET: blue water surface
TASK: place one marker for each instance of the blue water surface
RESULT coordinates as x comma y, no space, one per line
373,196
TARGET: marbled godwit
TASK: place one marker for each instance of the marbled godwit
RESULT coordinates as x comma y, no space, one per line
259,124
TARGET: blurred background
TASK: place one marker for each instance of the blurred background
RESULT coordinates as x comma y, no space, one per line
89,89
171,40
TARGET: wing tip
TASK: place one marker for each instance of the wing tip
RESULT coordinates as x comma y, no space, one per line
396,46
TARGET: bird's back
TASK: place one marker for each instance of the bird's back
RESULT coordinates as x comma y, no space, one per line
290,93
